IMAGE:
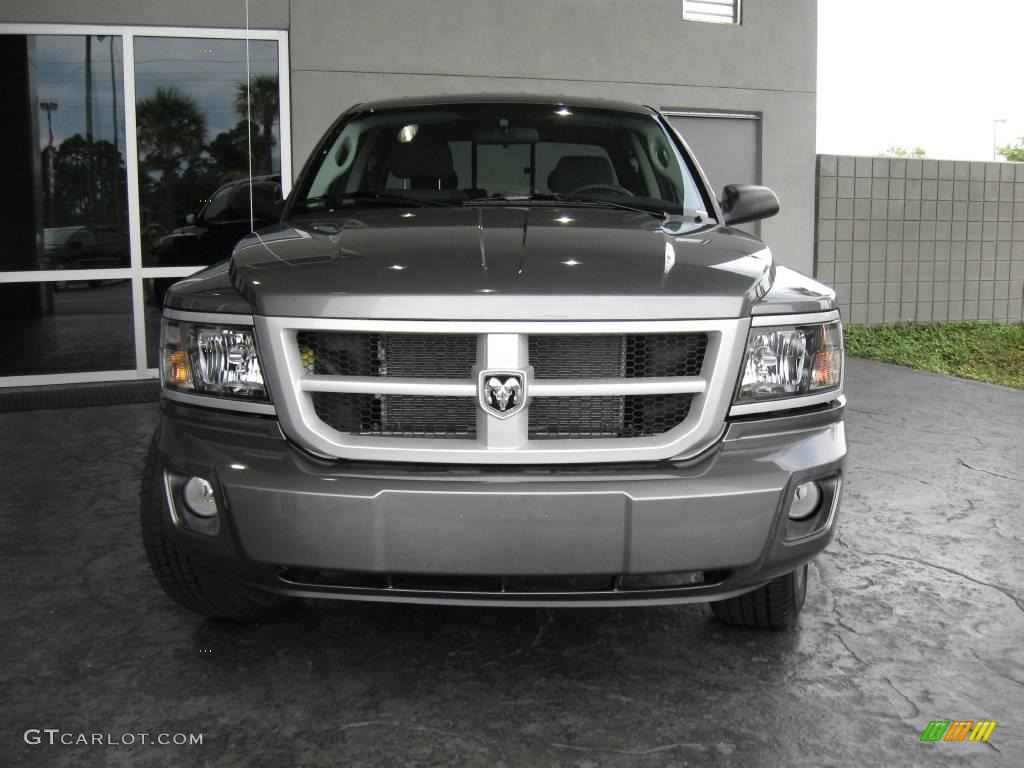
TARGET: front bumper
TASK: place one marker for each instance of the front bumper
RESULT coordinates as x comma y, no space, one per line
622,534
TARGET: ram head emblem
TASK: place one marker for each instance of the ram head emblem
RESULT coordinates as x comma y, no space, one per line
502,393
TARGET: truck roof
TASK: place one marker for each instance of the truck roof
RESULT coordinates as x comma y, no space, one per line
503,98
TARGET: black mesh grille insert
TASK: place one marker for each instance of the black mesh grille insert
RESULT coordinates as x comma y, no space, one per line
595,417
397,415
410,355
622,356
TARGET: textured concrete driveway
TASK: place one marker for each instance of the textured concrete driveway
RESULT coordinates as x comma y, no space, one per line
915,613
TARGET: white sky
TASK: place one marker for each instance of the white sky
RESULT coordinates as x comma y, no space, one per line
927,73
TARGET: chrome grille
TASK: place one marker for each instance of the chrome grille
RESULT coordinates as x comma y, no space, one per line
609,417
401,355
632,356
407,416
595,391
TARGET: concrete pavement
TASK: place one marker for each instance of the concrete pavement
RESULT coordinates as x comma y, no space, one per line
914,613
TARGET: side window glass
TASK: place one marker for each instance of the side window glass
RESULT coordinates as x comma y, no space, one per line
218,206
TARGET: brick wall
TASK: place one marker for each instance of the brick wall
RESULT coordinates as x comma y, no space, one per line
921,240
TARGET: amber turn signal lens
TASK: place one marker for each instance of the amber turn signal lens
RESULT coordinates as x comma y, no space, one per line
177,369
827,366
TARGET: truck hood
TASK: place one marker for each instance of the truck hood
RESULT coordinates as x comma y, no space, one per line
501,263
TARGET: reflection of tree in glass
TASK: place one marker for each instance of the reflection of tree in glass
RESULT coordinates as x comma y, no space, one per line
265,100
180,169
171,129
228,150
70,198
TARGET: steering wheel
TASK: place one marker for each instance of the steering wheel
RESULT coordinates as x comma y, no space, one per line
605,187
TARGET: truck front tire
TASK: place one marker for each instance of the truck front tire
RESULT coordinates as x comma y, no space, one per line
188,581
775,605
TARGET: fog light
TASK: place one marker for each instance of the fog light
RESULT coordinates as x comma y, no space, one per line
199,498
806,499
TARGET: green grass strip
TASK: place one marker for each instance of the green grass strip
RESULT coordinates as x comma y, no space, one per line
979,351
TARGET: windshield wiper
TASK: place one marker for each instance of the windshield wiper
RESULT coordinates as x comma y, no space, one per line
352,199
554,197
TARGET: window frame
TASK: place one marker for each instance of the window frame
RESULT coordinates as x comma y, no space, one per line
136,272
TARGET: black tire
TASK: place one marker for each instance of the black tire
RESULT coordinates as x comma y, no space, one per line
189,582
776,605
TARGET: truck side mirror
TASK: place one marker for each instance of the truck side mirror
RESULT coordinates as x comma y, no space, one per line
748,202
266,201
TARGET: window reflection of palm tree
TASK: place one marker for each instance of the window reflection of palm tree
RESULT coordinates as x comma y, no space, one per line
264,95
172,132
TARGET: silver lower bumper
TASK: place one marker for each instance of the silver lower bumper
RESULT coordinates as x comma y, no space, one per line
723,514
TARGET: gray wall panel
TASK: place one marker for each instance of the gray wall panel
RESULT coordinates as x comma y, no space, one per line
592,40
921,240
729,148
264,14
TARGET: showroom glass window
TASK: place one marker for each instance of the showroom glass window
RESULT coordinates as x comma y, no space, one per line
114,140
191,117
65,206
195,120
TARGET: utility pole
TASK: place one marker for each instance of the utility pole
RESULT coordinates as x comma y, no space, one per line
89,195
995,143
49,107
113,126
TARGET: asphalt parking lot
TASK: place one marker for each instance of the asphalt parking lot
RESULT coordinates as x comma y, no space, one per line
914,613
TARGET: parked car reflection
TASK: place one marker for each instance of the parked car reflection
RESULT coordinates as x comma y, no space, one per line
209,236
85,247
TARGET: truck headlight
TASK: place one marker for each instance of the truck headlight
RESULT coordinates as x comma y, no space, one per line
218,360
790,361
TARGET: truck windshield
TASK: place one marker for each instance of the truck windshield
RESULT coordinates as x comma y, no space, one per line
488,153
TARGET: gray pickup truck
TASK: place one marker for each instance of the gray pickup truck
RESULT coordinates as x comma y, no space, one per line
498,350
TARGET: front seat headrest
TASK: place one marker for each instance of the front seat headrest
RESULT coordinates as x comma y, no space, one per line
424,163
575,171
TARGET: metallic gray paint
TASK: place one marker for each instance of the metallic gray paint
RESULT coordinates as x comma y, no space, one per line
410,102
536,263
793,292
210,290
724,510
790,292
